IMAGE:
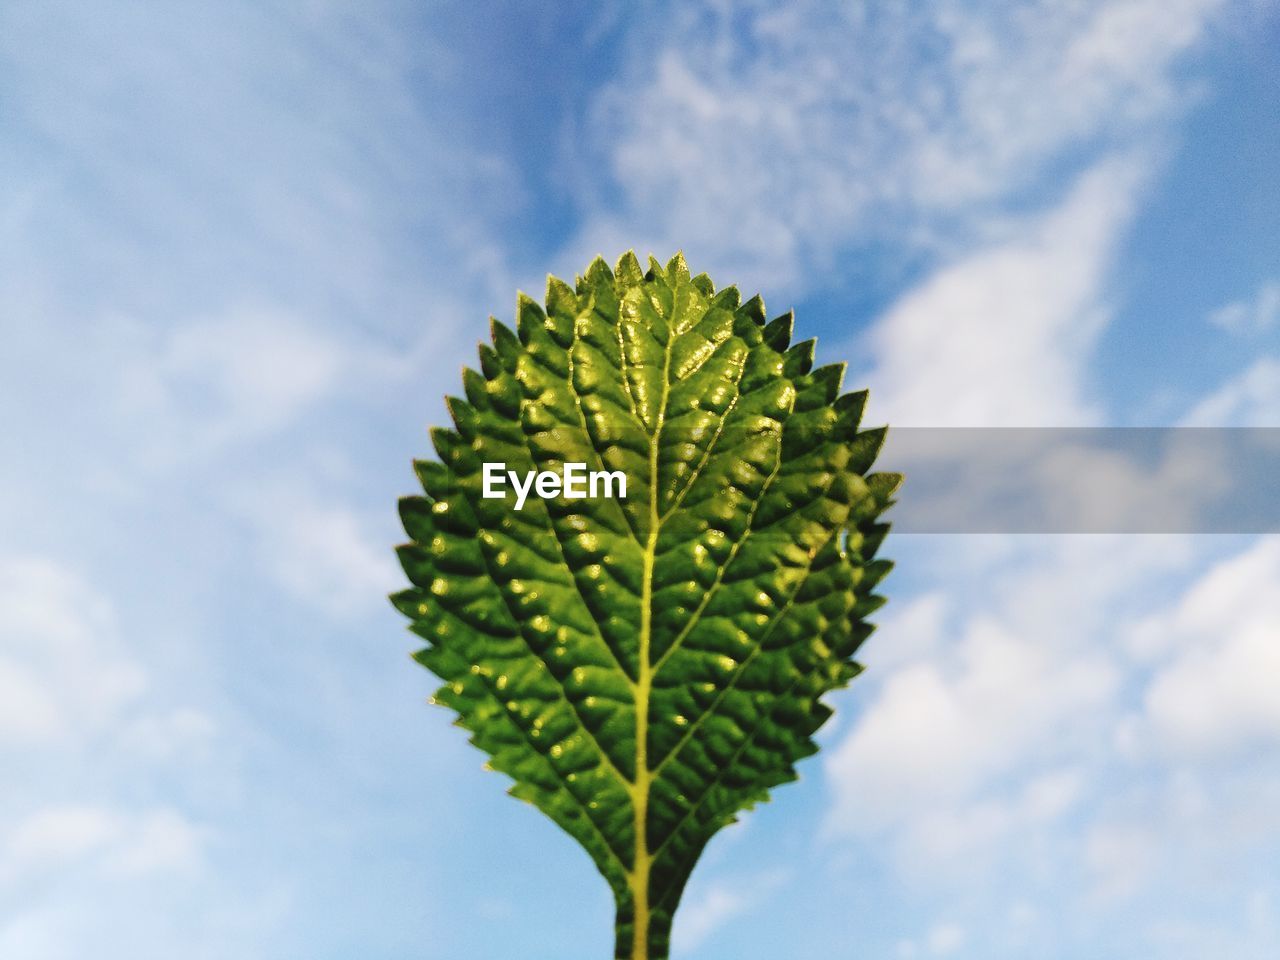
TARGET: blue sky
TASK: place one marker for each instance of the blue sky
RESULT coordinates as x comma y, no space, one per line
244,250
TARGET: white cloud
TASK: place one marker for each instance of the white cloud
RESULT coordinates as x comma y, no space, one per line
766,141
1094,715
1251,930
166,735
1252,316
62,838
941,941
203,385
708,908
1120,857
702,917
946,939
159,841
1251,399
63,672
172,158
319,549
932,738
59,835
1001,336
76,698
255,367
1214,691
916,624
986,730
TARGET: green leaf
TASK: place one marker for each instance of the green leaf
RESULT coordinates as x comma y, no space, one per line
645,668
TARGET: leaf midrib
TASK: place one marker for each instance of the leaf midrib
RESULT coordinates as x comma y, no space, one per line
640,793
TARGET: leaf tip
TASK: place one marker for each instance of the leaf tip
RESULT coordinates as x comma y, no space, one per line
677,268
598,271
777,334
560,297
799,358
753,309
628,271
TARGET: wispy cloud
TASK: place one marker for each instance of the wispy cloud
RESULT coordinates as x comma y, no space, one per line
766,142
942,940
64,674
129,844
1250,399
1253,315
94,741
707,909
195,156
322,552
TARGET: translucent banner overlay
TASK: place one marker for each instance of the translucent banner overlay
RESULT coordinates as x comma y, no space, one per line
1085,480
